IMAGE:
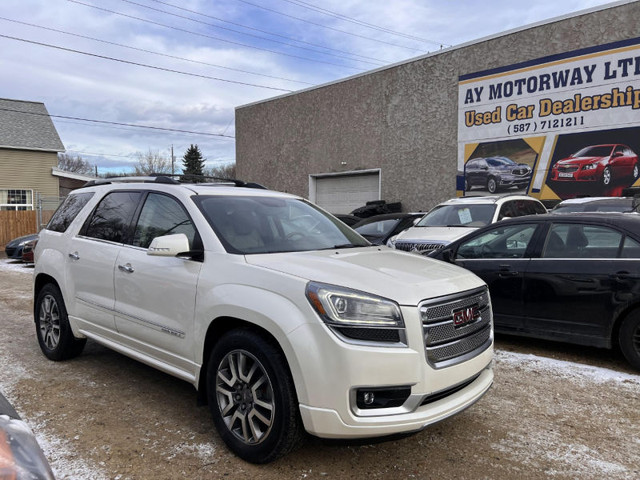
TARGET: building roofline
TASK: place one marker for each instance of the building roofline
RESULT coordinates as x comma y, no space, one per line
447,50
56,172
31,149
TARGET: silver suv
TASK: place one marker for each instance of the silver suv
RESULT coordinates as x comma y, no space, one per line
283,318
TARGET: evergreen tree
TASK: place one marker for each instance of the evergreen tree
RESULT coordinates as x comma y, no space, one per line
193,161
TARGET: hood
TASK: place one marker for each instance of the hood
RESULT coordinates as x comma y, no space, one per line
403,277
434,234
25,238
578,160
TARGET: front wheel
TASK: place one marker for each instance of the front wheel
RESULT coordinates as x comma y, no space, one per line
52,326
629,339
636,171
606,176
492,185
252,397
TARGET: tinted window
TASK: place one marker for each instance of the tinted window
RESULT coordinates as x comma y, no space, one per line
377,228
502,242
597,151
630,249
162,215
112,217
582,241
67,211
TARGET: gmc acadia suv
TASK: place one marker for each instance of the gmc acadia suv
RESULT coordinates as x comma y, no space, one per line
282,317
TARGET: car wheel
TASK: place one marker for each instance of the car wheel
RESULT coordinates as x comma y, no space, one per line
606,176
636,171
52,326
252,397
629,339
492,186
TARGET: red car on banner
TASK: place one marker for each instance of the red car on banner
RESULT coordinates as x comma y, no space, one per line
597,163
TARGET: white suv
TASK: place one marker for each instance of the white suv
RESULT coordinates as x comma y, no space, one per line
457,217
282,317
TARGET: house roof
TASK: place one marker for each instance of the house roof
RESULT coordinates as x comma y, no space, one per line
27,126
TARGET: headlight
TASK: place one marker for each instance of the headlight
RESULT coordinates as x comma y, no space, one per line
391,243
357,315
590,166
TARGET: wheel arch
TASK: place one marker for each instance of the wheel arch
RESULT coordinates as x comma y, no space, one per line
40,281
614,334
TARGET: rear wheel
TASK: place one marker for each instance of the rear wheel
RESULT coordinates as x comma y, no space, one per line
252,397
52,326
629,339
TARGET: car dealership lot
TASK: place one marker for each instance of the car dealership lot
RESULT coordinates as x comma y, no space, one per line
555,410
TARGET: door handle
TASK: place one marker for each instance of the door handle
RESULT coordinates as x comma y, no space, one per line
74,256
126,268
623,275
505,271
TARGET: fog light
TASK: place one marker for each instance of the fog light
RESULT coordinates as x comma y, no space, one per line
385,397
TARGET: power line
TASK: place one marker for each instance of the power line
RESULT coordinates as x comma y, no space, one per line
104,57
309,6
152,52
379,62
117,123
328,27
259,30
215,38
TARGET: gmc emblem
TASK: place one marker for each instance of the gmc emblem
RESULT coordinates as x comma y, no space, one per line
465,315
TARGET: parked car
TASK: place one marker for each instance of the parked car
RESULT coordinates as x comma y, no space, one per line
457,217
27,251
13,249
20,455
597,163
572,278
282,317
379,228
350,220
495,173
595,204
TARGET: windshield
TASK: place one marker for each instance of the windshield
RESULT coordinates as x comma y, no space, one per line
458,216
377,229
598,151
500,161
260,224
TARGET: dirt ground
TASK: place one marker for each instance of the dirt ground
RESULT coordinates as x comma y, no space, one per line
555,411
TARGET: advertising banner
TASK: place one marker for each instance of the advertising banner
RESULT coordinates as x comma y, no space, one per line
557,127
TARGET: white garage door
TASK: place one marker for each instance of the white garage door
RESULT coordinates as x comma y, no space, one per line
344,193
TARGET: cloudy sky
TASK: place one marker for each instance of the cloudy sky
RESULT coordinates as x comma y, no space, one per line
182,66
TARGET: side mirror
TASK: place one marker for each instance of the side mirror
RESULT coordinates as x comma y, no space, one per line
169,245
447,255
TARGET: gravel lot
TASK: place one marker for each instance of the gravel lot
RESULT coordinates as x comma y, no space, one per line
555,411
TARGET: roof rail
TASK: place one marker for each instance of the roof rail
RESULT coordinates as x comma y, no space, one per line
174,179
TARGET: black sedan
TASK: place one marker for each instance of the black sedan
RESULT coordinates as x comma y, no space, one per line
380,228
13,249
573,277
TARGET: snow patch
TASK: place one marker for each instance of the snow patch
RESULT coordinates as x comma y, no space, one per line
10,265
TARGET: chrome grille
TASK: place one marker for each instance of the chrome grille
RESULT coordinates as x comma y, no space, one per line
447,344
568,169
417,247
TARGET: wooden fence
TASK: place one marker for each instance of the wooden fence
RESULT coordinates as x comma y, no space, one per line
15,223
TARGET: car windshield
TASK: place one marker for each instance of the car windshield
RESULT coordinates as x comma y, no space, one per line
499,161
458,216
594,207
262,224
597,151
377,229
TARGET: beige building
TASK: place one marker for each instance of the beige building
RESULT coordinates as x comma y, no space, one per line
29,146
405,132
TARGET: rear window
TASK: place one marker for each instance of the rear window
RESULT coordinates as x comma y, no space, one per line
68,211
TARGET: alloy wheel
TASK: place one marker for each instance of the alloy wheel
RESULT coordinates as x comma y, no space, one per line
245,396
49,322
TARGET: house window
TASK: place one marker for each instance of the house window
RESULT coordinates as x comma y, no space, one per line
16,199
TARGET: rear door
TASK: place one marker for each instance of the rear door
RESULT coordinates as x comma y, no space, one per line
584,277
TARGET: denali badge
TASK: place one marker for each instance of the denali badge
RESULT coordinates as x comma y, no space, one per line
465,315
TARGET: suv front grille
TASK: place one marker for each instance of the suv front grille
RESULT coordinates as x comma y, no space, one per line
417,247
456,327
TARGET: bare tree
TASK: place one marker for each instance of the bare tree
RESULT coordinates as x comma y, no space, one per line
151,162
76,164
223,171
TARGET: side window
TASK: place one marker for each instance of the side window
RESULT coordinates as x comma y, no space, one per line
112,217
630,248
501,242
162,215
581,241
66,213
507,210
538,208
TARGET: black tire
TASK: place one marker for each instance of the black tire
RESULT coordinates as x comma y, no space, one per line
492,185
467,186
606,176
636,171
52,326
256,416
629,339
